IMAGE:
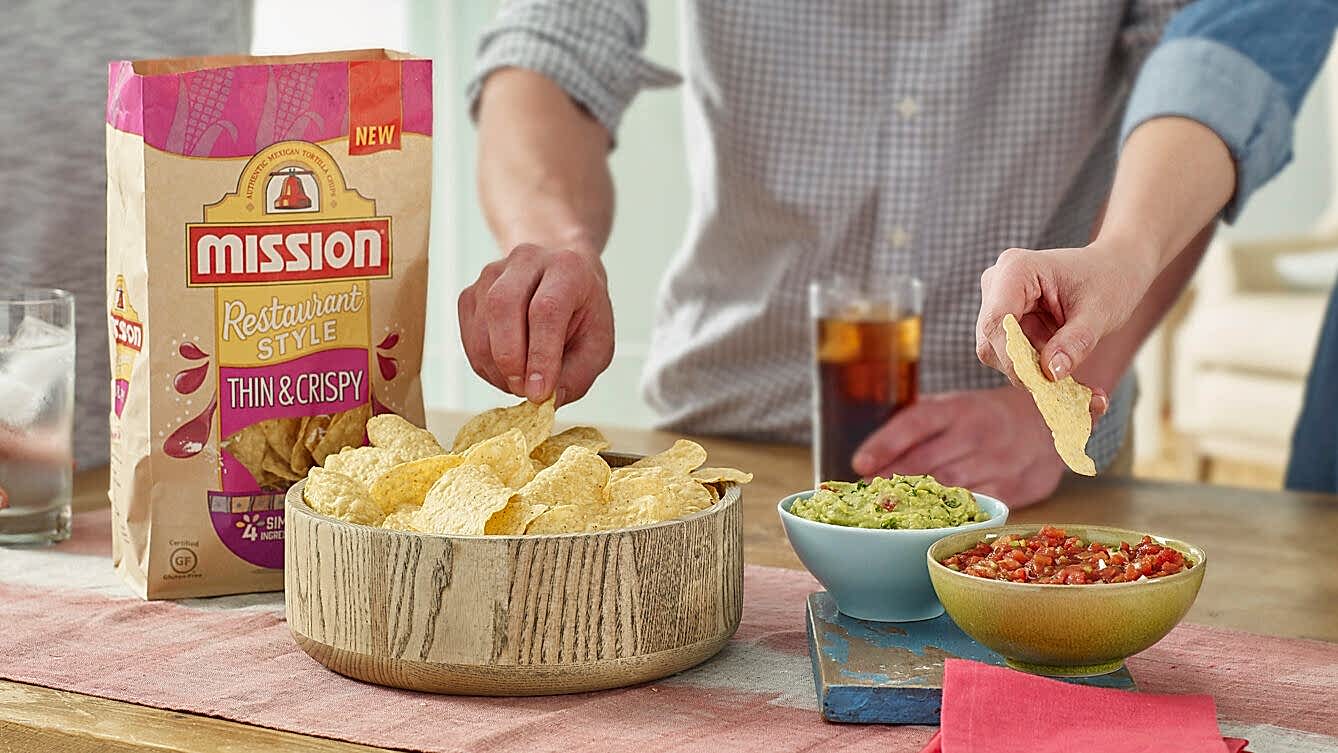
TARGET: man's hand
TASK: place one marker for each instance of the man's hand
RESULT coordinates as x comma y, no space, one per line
1066,300
990,441
539,321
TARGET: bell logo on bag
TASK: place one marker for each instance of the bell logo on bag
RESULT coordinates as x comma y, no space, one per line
282,262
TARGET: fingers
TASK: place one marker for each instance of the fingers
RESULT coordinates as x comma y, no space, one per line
474,333
1071,344
976,470
506,308
1100,403
931,457
550,315
909,427
1008,287
538,323
589,352
1019,489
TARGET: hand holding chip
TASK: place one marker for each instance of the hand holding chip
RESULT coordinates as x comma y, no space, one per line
1066,300
538,323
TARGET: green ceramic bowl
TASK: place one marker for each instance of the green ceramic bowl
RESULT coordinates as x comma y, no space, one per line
1066,631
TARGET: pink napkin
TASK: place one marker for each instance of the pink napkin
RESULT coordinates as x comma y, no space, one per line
987,709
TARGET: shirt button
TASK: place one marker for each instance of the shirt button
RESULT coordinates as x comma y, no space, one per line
900,237
908,108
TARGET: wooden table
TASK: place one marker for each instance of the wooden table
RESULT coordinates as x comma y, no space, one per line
1290,596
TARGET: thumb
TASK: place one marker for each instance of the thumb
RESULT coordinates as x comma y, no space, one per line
1070,345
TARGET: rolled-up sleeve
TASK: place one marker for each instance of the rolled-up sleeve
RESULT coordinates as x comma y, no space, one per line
1241,68
591,48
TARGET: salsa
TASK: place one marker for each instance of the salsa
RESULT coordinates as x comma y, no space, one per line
1052,556
896,502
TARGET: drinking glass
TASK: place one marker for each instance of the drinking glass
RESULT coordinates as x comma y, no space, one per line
36,410
866,363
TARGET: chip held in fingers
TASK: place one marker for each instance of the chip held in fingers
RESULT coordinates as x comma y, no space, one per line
506,475
1065,404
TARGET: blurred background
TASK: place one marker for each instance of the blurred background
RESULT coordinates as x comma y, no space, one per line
1221,381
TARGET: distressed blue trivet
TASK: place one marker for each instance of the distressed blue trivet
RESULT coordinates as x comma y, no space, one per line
892,672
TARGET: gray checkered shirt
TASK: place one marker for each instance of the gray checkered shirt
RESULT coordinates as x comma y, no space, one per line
862,138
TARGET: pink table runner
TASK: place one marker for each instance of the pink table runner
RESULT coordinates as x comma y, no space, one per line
68,623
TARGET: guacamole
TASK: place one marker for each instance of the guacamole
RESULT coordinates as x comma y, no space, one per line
897,502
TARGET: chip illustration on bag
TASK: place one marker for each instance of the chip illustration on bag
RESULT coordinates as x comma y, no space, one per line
267,253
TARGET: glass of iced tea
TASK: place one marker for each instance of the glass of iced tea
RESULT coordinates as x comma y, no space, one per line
867,363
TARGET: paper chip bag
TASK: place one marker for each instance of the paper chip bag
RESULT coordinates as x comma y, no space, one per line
267,225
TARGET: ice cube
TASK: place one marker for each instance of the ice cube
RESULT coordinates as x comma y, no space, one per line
34,363
33,333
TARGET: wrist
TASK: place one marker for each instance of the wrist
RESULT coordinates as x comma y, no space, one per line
1138,244
1140,258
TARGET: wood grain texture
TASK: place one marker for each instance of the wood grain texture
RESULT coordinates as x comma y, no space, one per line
34,719
514,615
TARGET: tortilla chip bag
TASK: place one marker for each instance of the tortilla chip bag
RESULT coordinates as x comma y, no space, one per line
266,280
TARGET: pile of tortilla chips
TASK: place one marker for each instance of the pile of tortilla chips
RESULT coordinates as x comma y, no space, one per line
278,451
505,475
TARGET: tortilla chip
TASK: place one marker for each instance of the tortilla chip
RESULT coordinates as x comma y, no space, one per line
462,501
630,482
561,519
247,446
279,468
365,464
674,495
535,422
513,519
312,431
717,475
281,434
548,451
393,432
347,429
339,496
403,519
640,511
577,478
300,459
507,455
407,483
684,457
1065,405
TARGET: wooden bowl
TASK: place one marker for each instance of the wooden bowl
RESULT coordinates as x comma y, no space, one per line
514,615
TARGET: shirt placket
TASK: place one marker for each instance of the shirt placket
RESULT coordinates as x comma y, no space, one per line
905,154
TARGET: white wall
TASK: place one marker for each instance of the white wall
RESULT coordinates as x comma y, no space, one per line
290,26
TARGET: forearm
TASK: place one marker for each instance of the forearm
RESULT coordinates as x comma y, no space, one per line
1173,178
543,174
1113,355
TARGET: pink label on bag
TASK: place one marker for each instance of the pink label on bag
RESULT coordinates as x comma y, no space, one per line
214,112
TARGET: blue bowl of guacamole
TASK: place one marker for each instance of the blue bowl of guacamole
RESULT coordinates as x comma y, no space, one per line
866,542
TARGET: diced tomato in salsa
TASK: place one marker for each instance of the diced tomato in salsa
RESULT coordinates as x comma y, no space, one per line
1052,556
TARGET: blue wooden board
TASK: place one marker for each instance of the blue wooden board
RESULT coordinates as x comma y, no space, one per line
892,672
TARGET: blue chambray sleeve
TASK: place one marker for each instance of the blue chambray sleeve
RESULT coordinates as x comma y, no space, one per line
591,48
1240,67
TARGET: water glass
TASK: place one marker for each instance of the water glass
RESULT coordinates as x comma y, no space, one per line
36,412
